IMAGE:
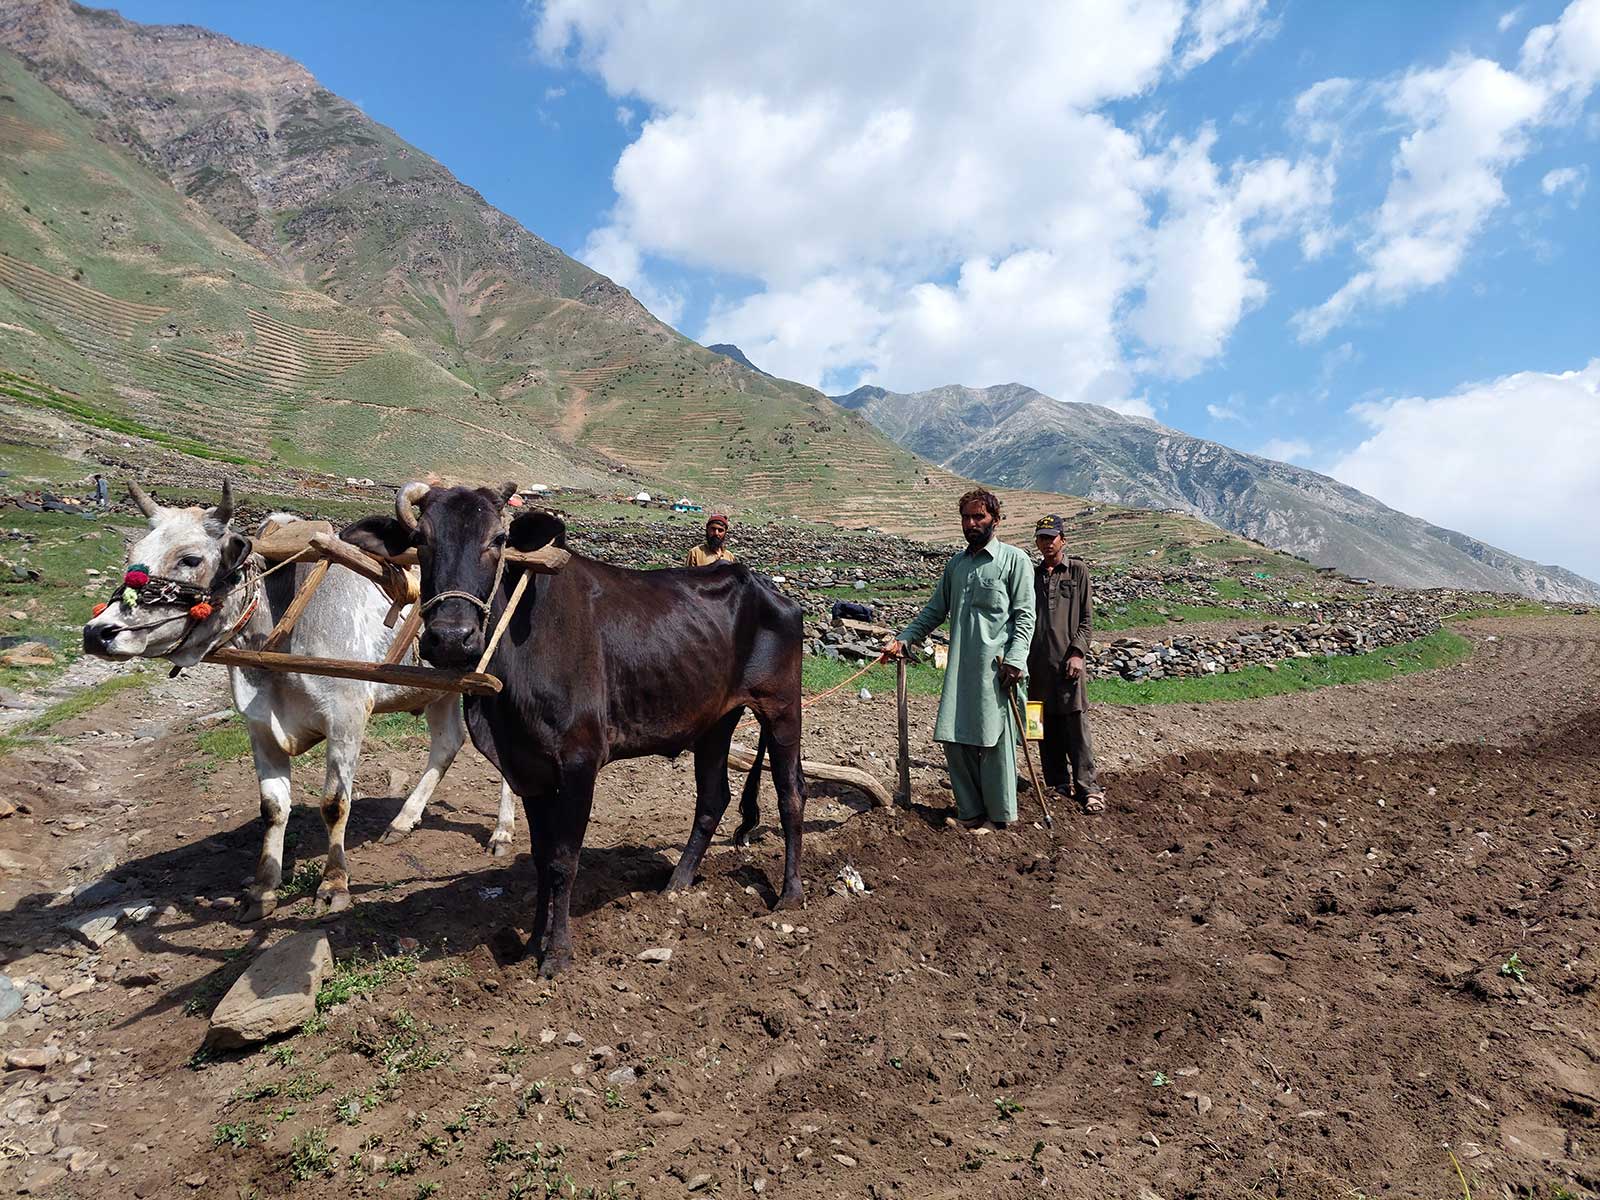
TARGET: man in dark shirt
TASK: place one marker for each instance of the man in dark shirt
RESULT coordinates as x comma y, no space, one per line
1056,673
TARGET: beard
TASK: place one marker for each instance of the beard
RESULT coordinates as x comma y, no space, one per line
978,537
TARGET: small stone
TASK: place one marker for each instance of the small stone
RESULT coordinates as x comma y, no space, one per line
664,1120
276,994
41,1179
622,1076
31,1058
656,954
758,1184
408,945
195,1181
1150,1139
77,988
844,1160
10,998
695,1182
546,1036
96,928
573,1039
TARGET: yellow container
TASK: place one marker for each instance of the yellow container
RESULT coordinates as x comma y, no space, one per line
1035,730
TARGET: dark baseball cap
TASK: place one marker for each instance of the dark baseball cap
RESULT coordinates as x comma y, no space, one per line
1052,524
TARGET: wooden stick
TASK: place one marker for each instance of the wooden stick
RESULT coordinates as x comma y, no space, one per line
903,762
505,619
297,606
408,634
741,759
1027,752
279,542
546,560
427,678
346,555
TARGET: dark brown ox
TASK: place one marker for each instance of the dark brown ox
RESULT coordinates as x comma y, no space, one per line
601,663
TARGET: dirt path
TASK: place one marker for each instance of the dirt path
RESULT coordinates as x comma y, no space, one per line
1275,964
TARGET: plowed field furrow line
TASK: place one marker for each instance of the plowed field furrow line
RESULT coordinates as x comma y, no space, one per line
23,278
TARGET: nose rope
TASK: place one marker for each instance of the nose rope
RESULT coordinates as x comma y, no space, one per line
483,606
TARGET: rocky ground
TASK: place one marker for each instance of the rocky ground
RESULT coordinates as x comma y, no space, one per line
1319,944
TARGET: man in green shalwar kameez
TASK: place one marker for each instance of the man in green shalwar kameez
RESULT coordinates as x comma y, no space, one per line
987,594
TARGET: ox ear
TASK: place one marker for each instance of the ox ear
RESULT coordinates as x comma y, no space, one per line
382,536
535,529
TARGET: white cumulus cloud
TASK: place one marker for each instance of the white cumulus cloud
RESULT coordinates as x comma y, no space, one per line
971,214
1468,121
1572,180
1511,461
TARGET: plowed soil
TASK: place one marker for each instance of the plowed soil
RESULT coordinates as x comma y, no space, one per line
1279,965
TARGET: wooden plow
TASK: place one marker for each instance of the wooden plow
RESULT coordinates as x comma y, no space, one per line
398,579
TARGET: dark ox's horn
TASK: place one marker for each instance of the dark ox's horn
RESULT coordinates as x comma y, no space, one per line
406,500
146,505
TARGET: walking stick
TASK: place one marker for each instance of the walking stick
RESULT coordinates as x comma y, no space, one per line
1027,751
903,762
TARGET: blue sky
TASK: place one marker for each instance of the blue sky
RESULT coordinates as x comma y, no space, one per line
1360,236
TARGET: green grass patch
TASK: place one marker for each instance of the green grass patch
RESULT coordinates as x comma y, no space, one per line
61,548
74,705
1519,608
1230,589
1440,649
357,976
103,418
820,674
1139,614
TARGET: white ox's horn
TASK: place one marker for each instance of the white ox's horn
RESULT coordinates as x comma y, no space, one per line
217,519
406,500
146,505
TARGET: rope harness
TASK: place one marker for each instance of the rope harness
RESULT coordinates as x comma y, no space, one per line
483,606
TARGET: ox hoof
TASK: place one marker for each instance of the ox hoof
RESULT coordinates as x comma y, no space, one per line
500,849
790,899
744,835
260,907
395,834
331,903
554,963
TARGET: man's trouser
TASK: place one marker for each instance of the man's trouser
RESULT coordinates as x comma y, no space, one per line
1067,740
984,778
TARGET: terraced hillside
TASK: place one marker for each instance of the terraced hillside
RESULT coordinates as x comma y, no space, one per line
416,328
117,292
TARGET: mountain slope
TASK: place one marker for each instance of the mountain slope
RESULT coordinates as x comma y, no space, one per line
503,354
1019,437
376,225
115,288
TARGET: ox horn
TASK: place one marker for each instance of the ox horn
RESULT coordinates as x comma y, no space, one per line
223,512
140,497
406,500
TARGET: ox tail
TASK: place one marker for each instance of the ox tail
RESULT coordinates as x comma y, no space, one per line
750,797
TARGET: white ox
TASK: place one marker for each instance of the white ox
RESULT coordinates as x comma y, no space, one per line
285,714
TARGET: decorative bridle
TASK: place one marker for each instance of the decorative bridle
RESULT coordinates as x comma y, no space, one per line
139,586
